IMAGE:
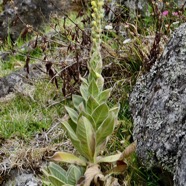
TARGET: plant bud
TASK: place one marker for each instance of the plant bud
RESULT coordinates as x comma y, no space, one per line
94,40
94,23
93,3
95,10
100,4
93,15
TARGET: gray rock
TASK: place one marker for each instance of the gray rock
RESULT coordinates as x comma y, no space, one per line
24,179
16,81
158,105
18,14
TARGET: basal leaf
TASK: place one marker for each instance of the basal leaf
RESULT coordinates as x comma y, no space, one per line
91,105
58,172
74,173
77,100
93,89
109,159
72,113
86,135
55,181
100,114
104,95
105,129
68,158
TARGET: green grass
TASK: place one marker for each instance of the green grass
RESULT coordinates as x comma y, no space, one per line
24,117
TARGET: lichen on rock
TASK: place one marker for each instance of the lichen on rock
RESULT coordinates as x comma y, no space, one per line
158,105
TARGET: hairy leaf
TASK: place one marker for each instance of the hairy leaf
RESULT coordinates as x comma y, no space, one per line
90,118
68,158
81,107
100,113
84,91
77,100
100,82
73,136
104,95
55,181
74,173
72,113
91,105
86,135
58,172
84,81
105,129
93,89
109,159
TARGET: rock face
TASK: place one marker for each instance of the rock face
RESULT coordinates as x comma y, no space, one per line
23,180
16,81
18,14
158,105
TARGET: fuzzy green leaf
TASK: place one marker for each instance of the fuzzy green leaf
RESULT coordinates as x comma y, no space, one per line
73,136
58,172
55,181
74,173
81,107
100,82
91,105
109,159
90,118
84,81
105,129
94,75
72,113
93,89
86,135
68,158
104,95
100,113
84,91
77,100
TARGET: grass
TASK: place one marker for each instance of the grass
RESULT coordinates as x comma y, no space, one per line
24,117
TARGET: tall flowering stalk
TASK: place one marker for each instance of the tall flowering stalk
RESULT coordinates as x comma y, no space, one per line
95,63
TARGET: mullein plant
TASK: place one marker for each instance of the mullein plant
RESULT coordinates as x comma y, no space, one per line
90,121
